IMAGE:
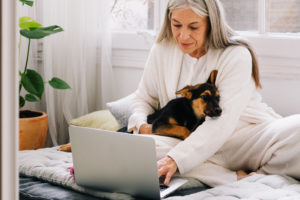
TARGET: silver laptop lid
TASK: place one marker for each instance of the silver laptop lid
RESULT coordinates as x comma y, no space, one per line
113,161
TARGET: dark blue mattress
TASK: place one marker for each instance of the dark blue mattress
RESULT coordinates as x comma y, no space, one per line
33,189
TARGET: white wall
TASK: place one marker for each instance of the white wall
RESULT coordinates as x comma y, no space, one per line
127,80
282,94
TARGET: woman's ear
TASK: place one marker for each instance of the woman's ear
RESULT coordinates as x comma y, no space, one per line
212,77
185,92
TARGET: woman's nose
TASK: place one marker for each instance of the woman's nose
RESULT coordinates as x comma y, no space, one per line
184,34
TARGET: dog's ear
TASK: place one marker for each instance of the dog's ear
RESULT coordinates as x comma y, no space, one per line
212,77
195,87
185,92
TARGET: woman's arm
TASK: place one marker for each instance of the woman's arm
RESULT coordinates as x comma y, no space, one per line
146,99
235,85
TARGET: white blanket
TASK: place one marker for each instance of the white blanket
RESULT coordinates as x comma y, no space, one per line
51,165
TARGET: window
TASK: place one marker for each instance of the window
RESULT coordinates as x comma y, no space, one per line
283,16
242,15
132,15
273,16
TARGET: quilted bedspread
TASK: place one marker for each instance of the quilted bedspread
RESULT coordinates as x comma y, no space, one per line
51,165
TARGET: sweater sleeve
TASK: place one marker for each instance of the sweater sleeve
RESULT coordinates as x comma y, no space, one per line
146,99
235,85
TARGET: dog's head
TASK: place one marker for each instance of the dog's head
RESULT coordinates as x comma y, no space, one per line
204,97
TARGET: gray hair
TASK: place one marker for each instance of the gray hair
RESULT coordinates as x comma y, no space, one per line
220,35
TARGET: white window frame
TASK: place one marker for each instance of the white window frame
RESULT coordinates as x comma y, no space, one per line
278,54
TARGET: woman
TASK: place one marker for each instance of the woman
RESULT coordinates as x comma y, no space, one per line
249,135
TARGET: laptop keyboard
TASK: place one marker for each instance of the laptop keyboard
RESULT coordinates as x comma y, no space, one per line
162,187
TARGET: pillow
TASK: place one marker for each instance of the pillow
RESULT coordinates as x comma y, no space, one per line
102,119
120,109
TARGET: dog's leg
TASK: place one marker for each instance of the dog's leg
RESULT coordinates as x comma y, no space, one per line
65,148
173,131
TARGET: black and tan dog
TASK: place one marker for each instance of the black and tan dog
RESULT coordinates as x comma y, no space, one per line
183,115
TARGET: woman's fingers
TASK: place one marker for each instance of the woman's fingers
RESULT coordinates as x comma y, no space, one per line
169,175
162,170
166,166
242,174
146,129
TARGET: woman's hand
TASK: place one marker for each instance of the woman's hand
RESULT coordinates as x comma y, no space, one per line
166,166
146,129
242,174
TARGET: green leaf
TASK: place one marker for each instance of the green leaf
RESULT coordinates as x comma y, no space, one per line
21,101
58,83
27,2
28,23
40,32
31,98
33,83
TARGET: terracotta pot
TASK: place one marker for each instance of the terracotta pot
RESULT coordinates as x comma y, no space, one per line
33,130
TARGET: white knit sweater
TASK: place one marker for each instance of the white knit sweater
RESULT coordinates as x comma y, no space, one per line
239,99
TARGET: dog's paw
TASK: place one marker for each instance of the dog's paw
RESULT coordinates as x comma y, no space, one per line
65,148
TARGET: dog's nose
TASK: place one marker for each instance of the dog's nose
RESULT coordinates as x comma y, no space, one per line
218,111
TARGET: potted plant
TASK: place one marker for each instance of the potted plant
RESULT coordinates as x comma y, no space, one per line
34,124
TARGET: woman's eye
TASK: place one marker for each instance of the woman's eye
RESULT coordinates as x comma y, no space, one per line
177,25
194,28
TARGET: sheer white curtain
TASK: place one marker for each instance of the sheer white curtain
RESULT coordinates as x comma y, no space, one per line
33,61
81,56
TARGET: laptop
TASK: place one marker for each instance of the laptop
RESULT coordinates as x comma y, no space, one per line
117,162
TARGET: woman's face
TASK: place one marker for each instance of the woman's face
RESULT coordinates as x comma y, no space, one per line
189,30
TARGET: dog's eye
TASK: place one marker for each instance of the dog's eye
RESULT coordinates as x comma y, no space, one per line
205,97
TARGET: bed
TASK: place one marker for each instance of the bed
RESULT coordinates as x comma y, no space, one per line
46,174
